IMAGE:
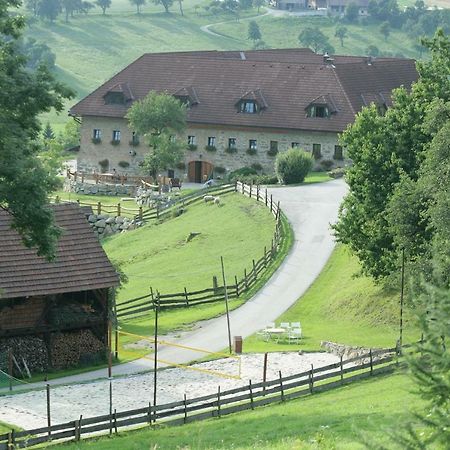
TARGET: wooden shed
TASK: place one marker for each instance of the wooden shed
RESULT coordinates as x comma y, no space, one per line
54,315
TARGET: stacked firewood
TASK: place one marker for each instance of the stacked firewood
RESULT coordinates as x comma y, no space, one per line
28,355
74,348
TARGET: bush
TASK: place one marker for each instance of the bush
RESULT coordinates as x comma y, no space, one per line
251,151
338,172
257,166
96,140
240,174
231,150
124,164
180,166
293,166
192,147
219,169
272,152
327,164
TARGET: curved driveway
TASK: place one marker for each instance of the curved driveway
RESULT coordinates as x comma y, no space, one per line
310,210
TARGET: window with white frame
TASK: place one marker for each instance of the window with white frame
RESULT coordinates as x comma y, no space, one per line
191,140
116,135
96,133
211,141
231,142
252,144
317,151
248,107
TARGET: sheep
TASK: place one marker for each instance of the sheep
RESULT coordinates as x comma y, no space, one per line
208,198
217,201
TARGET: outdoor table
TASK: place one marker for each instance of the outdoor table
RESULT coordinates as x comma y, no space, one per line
274,331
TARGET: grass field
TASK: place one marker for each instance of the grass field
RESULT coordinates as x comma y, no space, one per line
335,419
344,308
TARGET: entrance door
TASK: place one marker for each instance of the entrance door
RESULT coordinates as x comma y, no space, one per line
199,171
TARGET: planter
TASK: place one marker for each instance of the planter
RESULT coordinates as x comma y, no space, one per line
115,142
251,151
210,148
272,152
192,147
231,150
96,140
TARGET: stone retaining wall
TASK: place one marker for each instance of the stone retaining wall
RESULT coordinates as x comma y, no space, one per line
105,225
99,189
346,351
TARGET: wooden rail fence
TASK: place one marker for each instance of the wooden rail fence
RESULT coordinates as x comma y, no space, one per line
139,306
280,389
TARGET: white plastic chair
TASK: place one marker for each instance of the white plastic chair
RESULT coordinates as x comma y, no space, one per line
285,325
296,325
295,333
271,325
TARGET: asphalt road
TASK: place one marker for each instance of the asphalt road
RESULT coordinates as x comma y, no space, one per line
310,210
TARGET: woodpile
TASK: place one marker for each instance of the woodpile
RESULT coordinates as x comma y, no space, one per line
29,355
75,348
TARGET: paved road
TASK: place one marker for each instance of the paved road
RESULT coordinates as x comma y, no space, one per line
310,210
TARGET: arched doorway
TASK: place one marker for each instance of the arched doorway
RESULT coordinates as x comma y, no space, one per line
199,171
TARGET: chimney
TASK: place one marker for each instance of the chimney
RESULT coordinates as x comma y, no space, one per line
242,56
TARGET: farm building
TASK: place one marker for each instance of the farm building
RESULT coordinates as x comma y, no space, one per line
243,107
54,314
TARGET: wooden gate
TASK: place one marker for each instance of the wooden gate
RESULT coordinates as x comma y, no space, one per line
199,171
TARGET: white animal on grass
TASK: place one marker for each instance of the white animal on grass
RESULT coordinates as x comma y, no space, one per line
209,198
217,200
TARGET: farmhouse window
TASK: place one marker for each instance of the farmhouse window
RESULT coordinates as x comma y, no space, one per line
248,107
134,138
273,146
252,144
317,151
295,145
211,141
318,111
97,134
114,98
338,152
232,143
116,135
191,140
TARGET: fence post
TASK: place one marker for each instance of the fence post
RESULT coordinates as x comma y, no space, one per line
49,420
245,279
10,368
243,188
257,192
342,371
235,186
186,296
10,440
311,379
140,212
272,251
281,386
157,211
254,269
265,257
110,407
271,203
265,372
278,211
251,393
237,285
115,420
99,208
251,188
218,401
118,209
266,197
185,409
371,362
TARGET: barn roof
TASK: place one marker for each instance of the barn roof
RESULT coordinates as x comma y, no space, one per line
80,265
289,80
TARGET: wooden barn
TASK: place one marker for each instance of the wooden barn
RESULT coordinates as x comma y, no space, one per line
54,315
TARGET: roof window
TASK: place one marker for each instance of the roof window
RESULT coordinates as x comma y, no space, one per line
321,107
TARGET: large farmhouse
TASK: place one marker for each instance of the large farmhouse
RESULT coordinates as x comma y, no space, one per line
244,107
54,314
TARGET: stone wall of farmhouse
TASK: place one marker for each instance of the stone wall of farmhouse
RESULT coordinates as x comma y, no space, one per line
91,154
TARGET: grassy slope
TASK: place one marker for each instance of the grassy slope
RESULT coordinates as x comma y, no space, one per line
343,308
332,419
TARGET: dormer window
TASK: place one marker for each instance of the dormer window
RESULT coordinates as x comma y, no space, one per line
318,111
187,96
321,107
248,107
114,98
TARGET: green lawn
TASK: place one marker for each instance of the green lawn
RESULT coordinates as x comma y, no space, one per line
335,419
159,256
344,308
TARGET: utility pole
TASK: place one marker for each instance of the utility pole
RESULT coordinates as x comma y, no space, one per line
400,340
226,305
155,362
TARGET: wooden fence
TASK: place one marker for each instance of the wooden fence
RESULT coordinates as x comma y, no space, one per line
218,404
139,306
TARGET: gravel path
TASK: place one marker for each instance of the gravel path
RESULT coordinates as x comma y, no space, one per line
28,410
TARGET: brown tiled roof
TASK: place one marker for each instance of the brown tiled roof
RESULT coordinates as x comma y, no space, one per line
288,79
80,264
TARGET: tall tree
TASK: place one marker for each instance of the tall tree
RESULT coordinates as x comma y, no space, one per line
341,33
159,117
258,3
49,9
166,4
351,12
384,148
254,33
48,132
385,29
138,4
103,4
25,181
313,38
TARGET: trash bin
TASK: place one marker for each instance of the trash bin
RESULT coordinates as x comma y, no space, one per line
237,347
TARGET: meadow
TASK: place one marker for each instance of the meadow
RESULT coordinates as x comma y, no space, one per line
343,418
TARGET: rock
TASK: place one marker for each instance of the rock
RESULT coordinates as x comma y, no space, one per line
110,220
100,223
92,218
119,219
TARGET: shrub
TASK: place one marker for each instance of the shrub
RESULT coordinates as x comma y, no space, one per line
96,140
293,166
210,148
251,151
181,165
257,166
115,142
124,164
219,169
104,163
273,152
327,164
240,174
192,147
338,172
